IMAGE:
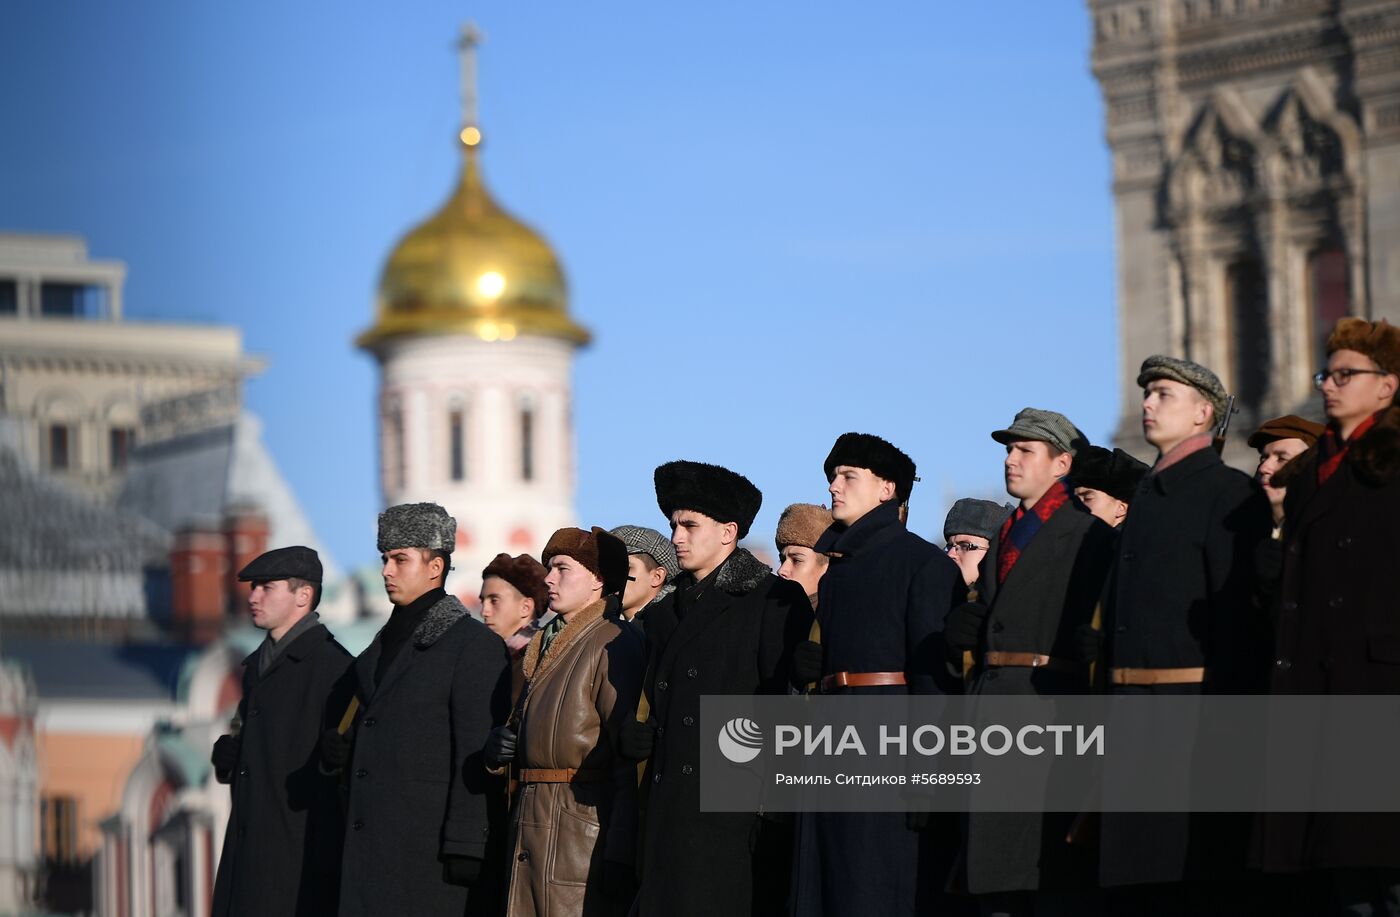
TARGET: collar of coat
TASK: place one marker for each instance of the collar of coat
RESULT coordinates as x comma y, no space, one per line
1375,457
1178,471
533,665
445,612
740,574
850,539
299,646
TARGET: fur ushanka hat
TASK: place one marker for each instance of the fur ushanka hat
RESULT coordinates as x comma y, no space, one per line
1379,340
600,553
417,525
801,525
863,450
524,573
711,490
1116,473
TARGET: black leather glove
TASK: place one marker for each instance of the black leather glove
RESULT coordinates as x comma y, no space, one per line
619,884
1088,643
225,756
636,741
918,821
501,746
335,750
806,663
461,870
962,630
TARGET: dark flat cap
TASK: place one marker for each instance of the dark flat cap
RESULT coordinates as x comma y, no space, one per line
1042,426
642,540
1187,373
1116,473
417,525
599,552
711,490
976,517
882,458
1290,426
296,562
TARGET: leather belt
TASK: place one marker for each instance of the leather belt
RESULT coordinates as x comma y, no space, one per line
1157,676
838,680
559,775
1031,661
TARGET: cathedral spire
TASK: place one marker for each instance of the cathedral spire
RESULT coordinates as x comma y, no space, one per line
467,43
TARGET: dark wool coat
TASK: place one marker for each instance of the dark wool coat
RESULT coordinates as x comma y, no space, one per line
1339,627
281,852
419,790
881,604
735,637
1051,591
1181,596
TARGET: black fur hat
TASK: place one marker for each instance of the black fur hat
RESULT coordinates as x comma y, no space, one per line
1115,473
862,450
721,494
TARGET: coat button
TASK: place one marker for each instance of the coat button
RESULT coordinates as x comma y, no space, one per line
691,672
991,676
1283,664
1344,542
1121,629
1335,602
656,778
359,823
1290,606
661,686
660,731
523,856
998,627
687,769
243,772
689,721
256,711
362,773
369,721
1128,555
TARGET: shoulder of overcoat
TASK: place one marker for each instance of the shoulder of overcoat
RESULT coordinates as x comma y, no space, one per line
439,619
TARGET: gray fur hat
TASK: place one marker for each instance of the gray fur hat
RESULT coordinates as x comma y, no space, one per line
642,540
976,517
1187,373
417,525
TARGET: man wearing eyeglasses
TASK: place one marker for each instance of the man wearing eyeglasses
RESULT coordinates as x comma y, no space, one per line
1038,584
1180,620
1338,630
968,531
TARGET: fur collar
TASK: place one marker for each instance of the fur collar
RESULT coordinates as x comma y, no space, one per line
444,613
534,666
1375,457
740,574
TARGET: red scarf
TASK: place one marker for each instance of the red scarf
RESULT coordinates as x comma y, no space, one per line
1021,526
1333,449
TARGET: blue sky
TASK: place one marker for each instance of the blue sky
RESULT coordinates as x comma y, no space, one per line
781,221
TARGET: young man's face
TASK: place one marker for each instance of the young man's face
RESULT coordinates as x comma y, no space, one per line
701,542
504,608
967,552
1173,412
644,584
409,573
1107,507
855,492
1031,468
1272,457
276,606
803,566
572,587
1363,394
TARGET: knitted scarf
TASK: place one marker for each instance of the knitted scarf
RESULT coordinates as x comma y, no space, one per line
1020,527
1332,449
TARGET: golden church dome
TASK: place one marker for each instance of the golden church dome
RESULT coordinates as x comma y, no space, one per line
472,268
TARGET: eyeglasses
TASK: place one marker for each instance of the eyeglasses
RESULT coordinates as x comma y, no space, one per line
963,547
1341,377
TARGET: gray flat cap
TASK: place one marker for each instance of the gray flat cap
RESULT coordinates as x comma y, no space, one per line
976,517
417,525
642,540
1043,426
1187,373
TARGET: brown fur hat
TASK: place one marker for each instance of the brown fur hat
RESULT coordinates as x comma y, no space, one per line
525,574
602,554
1379,340
801,524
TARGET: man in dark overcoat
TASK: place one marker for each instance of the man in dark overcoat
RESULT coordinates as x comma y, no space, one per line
729,628
423,811
281,854
1180,620
1039,583
1338,629
882,605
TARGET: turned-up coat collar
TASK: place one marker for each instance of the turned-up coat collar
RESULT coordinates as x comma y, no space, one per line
869,530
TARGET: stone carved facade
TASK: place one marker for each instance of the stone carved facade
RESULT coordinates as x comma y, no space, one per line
1256,168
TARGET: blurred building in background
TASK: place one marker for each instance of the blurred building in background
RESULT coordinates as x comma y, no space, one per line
1256,169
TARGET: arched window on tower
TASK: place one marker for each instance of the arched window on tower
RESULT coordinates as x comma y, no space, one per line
1330,295
395,472
1251,353
527,439
457,440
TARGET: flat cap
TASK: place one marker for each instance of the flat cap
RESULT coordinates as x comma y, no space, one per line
1290,426
976,517
1379,340
865,450
524,573
1187,373
1043,426
801,524
641,540
417,525
602,554
711,490
1115,472
296,562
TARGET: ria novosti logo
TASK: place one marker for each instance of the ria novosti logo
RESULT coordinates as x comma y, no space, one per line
741,740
